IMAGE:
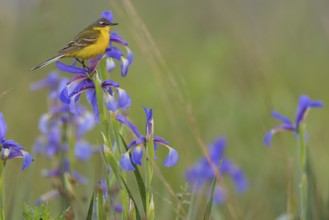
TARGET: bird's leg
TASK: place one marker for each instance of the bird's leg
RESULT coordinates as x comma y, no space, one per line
83,64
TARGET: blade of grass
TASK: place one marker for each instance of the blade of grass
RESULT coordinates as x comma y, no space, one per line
211,196
90,210
138,216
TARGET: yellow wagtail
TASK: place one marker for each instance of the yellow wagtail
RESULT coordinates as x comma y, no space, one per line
88,44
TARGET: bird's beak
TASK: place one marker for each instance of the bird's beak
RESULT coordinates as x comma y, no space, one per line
113,24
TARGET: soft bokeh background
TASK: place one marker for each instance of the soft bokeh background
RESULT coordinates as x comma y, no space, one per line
212,68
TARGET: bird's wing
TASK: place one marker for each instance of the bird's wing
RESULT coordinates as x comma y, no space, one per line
83,39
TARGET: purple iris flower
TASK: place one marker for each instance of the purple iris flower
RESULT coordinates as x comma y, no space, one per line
305,103
202,173
82,82
113,52
10,149
136,145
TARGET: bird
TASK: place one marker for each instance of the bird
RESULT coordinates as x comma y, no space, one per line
87,44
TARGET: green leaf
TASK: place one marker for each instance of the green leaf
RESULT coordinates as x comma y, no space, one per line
36,212
139,179
138,216
90,210
211,196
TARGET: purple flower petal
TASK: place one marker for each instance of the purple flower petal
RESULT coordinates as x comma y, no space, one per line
125,162
124,66
118,208
82,150
27,159
3,127
137,141
240,180
130,55
70,69
137,156
64,96
149,121
124,100
304,104
110,64
160,140
219,195
50,81
114,53
172,158
115,37
282,118
11,144
124,120
269,135
111,103
79,178
108,15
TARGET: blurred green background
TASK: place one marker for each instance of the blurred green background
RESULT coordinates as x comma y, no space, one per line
216,68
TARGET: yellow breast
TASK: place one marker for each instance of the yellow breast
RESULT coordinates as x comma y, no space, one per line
96,48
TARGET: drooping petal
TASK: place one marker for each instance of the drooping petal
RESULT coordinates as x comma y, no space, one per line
111,103
160,140
282,118
110,64
70,69
3,127
240,180
269,135
125,162
124,66
124,100
130,55
137,156
64,96
124,120
43,123
27,160
172,158
115,37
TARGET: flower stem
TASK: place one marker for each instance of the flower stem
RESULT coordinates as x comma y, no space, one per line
105,121
302,186
2,190
148,178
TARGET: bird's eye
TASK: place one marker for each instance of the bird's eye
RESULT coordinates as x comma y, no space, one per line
102,23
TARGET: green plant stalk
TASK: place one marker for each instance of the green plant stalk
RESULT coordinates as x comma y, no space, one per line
110,158
2,189
302,155
65,199
148,178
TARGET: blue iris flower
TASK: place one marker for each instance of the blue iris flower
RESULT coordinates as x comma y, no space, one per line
202,173
82,82
136,145
305,103
10,149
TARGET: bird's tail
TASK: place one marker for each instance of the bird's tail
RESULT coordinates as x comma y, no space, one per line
48,62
